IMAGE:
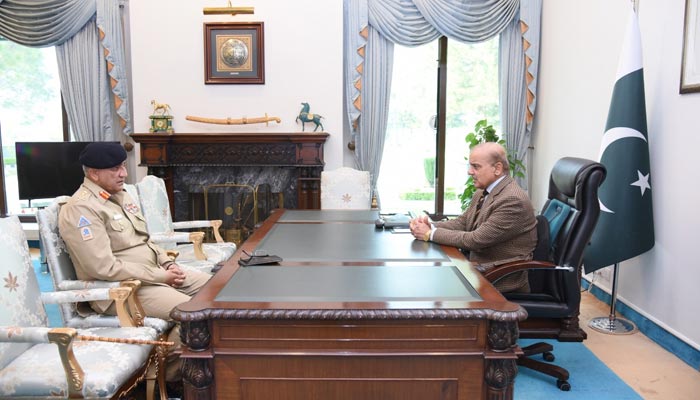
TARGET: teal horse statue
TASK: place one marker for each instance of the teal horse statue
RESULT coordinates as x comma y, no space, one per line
305,116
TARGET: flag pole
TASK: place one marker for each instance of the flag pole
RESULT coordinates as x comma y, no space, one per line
613,324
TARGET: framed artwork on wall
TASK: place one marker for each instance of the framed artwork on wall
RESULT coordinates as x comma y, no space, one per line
690,66
234,53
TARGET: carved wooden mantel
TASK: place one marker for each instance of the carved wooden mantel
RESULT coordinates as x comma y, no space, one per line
161,152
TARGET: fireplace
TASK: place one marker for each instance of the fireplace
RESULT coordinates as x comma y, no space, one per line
217,175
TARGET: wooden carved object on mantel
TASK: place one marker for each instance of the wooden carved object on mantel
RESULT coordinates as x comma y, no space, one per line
235,121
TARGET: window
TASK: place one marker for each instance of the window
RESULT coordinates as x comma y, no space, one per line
30,110
416,146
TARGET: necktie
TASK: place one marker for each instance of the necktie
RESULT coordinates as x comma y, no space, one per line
481,201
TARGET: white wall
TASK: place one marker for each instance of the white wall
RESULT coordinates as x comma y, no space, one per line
580,48
303,63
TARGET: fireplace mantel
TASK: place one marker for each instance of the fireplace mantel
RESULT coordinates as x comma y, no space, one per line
162,153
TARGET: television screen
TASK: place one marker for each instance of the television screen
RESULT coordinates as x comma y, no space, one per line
48,169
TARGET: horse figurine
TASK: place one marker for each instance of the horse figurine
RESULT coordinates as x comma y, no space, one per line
160,108
305,116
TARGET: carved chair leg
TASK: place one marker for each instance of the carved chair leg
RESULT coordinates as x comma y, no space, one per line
197,239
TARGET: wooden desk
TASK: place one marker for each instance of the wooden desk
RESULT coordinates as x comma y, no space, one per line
376,326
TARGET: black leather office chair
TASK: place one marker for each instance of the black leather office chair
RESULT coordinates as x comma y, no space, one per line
555,272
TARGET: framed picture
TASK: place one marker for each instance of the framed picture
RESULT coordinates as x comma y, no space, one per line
690,67
234,52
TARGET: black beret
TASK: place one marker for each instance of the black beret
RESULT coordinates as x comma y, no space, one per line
101,155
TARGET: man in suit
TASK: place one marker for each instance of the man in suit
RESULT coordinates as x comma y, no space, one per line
106,237
499,225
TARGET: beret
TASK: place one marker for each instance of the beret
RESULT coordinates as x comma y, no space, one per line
101,155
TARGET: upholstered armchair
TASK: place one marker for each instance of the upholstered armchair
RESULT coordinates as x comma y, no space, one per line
345,188
41,362
156,209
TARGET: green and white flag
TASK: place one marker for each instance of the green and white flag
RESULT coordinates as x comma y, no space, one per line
626,227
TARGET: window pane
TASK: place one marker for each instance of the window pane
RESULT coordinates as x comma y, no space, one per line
472,95
403,182
30,108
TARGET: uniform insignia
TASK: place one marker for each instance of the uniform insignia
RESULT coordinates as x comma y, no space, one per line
105,195
83,195
86,233
83,222
117,217
131,207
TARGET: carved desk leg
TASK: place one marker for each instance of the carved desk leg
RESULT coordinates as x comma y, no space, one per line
197,373
501,371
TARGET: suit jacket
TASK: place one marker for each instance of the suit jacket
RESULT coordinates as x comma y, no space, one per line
107,239
504,230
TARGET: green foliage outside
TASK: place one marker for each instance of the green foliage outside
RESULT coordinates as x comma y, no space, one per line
424,195
429,168
483,132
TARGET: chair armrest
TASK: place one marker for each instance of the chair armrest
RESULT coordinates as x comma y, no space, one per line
215,224
502,270
120,295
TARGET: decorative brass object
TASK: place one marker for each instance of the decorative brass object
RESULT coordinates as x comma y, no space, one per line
228,10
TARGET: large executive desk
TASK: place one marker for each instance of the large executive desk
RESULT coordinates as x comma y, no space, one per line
351,313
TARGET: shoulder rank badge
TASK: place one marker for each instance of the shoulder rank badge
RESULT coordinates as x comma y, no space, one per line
83,222
105,195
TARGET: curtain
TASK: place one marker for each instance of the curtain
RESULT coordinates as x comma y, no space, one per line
89,45
416,22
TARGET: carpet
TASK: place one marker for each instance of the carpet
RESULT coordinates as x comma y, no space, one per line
589,377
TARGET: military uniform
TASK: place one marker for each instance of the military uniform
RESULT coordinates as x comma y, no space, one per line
107,240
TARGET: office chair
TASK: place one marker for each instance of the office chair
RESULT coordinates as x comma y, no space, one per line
554,274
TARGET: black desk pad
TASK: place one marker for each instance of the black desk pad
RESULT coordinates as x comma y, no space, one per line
347,284
345,242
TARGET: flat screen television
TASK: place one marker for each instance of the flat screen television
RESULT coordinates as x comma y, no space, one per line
48,169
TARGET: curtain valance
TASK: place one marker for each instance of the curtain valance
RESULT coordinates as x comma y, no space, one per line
43,23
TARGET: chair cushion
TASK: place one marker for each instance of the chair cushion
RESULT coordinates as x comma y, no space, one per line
38,372
215,252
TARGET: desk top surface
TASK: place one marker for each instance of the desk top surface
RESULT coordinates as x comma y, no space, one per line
331,284
361,216
346,242
345,270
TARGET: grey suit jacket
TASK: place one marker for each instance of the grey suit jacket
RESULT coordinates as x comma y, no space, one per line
504,230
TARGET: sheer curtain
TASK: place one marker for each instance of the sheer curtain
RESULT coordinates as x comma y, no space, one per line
89,46
373,26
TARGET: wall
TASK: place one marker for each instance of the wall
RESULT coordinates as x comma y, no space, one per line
580,48
303,63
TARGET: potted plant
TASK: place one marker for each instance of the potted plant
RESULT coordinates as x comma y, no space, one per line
483,132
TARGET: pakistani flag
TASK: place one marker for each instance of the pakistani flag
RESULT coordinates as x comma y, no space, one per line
626,227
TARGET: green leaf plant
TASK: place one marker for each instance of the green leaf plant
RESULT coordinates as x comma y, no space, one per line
483,132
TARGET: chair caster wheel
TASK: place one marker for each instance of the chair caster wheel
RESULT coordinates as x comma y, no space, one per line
563,385
548,356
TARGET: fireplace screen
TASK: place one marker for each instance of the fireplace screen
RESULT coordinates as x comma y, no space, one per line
241,207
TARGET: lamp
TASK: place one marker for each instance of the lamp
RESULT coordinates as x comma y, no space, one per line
228,10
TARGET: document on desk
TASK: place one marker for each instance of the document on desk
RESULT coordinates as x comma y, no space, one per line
400,230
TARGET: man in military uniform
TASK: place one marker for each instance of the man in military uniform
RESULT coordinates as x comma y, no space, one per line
107,239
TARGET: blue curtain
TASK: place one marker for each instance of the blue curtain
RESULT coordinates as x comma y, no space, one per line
416,22
89,45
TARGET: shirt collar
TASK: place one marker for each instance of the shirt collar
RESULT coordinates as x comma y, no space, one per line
494,183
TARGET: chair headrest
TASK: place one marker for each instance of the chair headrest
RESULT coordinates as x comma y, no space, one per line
569,175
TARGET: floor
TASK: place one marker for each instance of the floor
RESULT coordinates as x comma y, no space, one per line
651,371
